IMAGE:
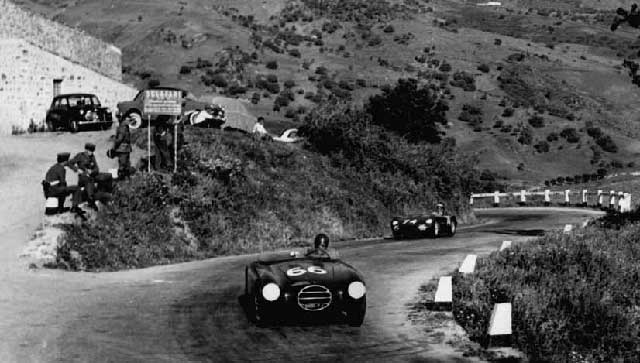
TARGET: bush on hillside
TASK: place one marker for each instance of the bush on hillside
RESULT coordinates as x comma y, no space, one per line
574,297
272,64
570,134
607,144
536,121
409,109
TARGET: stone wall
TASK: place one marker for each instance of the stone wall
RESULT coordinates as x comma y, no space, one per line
26,83
68,43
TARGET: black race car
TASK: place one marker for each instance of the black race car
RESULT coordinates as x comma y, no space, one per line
304,283
77,110
430,225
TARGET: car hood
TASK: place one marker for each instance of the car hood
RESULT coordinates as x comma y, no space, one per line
316,271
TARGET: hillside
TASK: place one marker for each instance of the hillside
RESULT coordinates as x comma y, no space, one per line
557,60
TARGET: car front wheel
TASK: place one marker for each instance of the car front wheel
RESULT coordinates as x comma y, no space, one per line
50,126
136,120
355,316
454,226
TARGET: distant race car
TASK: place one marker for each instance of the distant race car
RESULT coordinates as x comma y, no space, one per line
289,136
306,283
430,225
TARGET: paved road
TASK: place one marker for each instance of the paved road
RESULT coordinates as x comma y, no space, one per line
190,311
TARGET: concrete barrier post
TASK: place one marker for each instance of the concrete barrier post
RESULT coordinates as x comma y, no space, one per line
444,293
523,198
468,265
584,197
566,197
471,200
600,197
547,198
505,245
612,200
620,201
496,198
500,325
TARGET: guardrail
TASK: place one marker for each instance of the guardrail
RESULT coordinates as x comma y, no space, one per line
613,200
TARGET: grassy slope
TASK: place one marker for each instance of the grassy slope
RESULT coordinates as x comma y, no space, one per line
595,79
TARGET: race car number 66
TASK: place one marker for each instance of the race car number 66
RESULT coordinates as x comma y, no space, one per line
298,271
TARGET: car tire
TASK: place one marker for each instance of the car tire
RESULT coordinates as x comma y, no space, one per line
50,126
355,317
136,120
453,228
74,126
436,229
396,235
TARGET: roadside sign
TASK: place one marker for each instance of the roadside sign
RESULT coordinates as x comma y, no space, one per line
162,102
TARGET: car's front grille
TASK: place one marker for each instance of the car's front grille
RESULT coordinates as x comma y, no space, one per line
314,298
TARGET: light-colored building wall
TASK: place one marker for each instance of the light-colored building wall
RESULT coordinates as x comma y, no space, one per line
68,43
27,74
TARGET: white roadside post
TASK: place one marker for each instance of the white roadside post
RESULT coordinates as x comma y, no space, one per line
500,324
523,198
584,197
444,293
471,200
547,198
496,198
600,197
505,245
620,201
612,200
568,228
566,197
468,265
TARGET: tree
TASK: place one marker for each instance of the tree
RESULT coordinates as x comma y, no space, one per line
410,110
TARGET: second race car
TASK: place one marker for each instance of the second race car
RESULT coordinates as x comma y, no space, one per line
436,224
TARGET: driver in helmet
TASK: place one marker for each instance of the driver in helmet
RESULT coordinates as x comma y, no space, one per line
440,209
320,246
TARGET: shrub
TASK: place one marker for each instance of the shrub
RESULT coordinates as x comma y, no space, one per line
272,64
570,134
445,67
536,121
389,29
484,68
272,78
607,144
409,109
526,136
542,147
552,137
255,98
153,83
289,83
295,53
185,70
508,112
321,71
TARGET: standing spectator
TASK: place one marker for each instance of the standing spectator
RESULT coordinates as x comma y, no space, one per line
55,183
85,162
122,148
162,143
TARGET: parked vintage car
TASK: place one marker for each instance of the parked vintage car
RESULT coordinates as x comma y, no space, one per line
74,111
134,108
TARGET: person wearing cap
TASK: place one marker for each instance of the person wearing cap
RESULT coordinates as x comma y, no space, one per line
56,177
122,148
163,145
86,165
440,209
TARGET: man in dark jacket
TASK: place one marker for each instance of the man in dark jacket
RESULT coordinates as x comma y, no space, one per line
122,148
86,163
56,180
163,145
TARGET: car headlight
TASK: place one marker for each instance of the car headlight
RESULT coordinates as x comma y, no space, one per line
271,292
356,289
429,221
414,221
394,222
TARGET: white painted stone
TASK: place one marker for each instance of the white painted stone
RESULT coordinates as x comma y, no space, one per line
505,245
500,323
51,203
444,293
547,197
568,228
468,265
114,173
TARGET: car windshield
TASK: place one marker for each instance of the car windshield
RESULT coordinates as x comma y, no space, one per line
82,101
295,254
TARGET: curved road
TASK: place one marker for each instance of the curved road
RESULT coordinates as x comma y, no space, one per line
190,311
